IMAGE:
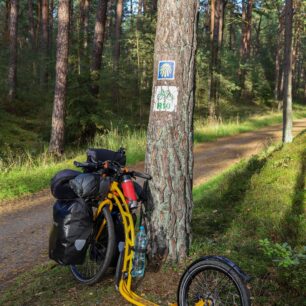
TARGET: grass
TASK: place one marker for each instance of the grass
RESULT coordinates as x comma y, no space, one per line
207,131
259,198
22,174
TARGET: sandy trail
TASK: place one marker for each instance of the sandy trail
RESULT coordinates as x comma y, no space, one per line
25,223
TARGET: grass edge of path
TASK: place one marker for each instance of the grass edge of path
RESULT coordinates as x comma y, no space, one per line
27,175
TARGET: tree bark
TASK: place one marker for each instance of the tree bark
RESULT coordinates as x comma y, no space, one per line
245,48
84,12
278,61
116,57
169,157
216,39
119,10
44,41
146,8
6,28
154,5
31,25
298,23
287,101
212,110
98,45
231,30
51,26
304,81
12,71
58,127
38,22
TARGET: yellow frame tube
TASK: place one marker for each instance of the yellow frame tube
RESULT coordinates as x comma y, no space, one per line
129,230
98,211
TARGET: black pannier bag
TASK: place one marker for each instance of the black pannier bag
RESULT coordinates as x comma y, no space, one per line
90,186
102,155
60,187
72,227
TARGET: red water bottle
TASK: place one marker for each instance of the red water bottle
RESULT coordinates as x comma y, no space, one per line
129,191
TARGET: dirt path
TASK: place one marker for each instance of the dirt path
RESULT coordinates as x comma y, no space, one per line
25,223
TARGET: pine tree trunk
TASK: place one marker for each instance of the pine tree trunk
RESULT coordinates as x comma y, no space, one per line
216,39
38,22
6,28
212,109
146,9
84,12
44,42
119,10
287,101
231,29
245,48
169,157
116,57
58,116
154,5
296,50
304,80
51,26
278,61
31,25
12,71
98,45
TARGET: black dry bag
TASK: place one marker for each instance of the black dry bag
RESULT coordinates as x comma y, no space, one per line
72,227
60,188
102,155
90,186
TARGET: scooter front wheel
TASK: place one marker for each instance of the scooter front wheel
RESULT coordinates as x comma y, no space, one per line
211,282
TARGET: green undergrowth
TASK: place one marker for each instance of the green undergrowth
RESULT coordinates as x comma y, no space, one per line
23,173
17,133
255,215
206,131
50,284
257,199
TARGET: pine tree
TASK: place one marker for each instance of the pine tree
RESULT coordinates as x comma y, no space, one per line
12,72
58,116
169,157
287,103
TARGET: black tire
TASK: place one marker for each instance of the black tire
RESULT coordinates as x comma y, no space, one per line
118,272
210,282
99,253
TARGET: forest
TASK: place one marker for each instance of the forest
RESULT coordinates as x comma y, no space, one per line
239,64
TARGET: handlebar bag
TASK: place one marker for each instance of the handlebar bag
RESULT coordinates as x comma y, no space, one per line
72,227
102,155
90,185
60,187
